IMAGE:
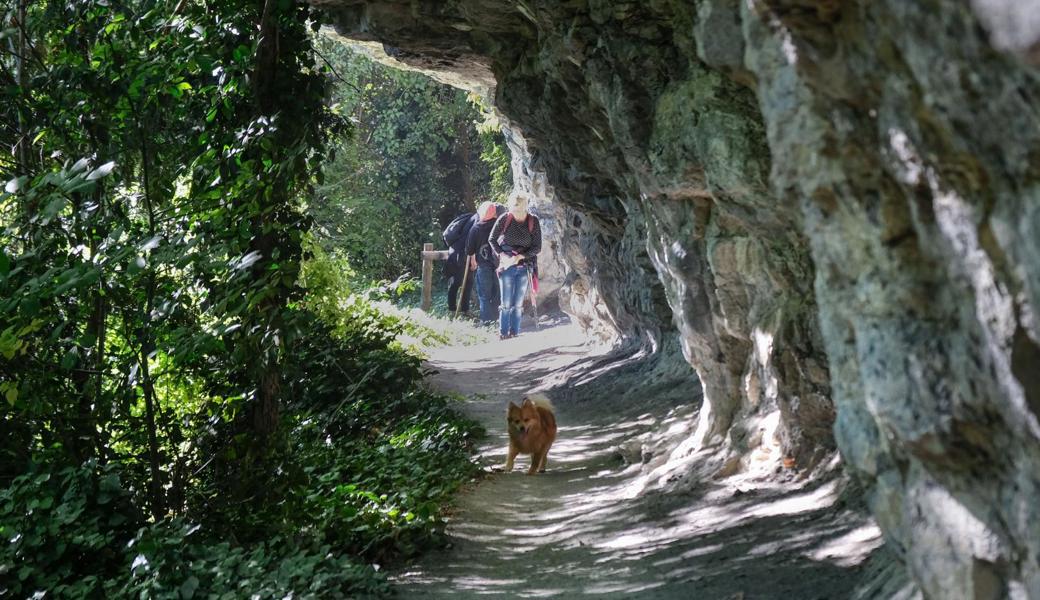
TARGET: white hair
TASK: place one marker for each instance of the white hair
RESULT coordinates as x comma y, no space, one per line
519,202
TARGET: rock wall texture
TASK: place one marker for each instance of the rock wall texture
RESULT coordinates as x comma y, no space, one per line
834,205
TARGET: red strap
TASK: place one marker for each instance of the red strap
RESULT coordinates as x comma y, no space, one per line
509,219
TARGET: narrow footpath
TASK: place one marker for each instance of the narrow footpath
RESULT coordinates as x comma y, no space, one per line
595,526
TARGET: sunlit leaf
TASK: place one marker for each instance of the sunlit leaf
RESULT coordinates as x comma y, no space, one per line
79,165
136,265
14,185
70,359
150,244
11,393
101,171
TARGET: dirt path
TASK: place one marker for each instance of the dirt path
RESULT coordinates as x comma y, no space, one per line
593,526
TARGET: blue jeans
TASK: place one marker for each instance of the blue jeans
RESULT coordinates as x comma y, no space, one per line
513,282
487,292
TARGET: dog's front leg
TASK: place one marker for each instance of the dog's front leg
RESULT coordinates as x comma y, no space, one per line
536,461
511,456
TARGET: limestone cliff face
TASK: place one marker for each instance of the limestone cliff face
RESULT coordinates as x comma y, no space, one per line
834,205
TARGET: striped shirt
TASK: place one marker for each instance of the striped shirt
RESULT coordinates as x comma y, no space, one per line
516,238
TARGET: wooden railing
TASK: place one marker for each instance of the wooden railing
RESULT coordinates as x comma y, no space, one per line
428,256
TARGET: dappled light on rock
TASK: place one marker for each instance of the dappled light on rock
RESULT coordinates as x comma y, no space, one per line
830,211
780,261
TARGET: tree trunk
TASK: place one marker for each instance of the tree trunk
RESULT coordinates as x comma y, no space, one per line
147,344
23,46
155,485
85,439
265,410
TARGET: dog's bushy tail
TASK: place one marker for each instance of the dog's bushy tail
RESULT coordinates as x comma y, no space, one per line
542,400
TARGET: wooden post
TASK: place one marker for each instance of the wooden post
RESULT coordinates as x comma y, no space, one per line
428,256
427,278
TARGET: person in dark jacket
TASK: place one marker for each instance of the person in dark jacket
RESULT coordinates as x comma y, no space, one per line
455,265
516,238
483,259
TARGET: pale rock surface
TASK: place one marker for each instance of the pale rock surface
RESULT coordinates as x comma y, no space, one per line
832,207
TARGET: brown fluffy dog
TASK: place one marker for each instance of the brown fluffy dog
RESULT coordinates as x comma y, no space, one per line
532,430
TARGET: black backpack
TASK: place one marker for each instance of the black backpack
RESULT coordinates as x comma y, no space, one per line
456,229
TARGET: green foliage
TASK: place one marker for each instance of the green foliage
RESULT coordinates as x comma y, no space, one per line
416,161
176,408
123,277
166,561
494,153
346,301
381,487
64,531
362,471
75,534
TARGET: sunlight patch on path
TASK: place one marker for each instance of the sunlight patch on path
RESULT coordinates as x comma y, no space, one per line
592,526
551,348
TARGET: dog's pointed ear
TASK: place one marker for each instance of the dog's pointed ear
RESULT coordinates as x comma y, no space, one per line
512,405
527,402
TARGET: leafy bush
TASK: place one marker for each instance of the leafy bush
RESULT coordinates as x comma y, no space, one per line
346,301
176,409
375,453
63,532
380,494
75,534
164,561
359,472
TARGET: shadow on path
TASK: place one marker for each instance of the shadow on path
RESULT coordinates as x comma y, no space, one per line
596,525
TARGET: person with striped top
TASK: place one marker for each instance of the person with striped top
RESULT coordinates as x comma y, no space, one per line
517,239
